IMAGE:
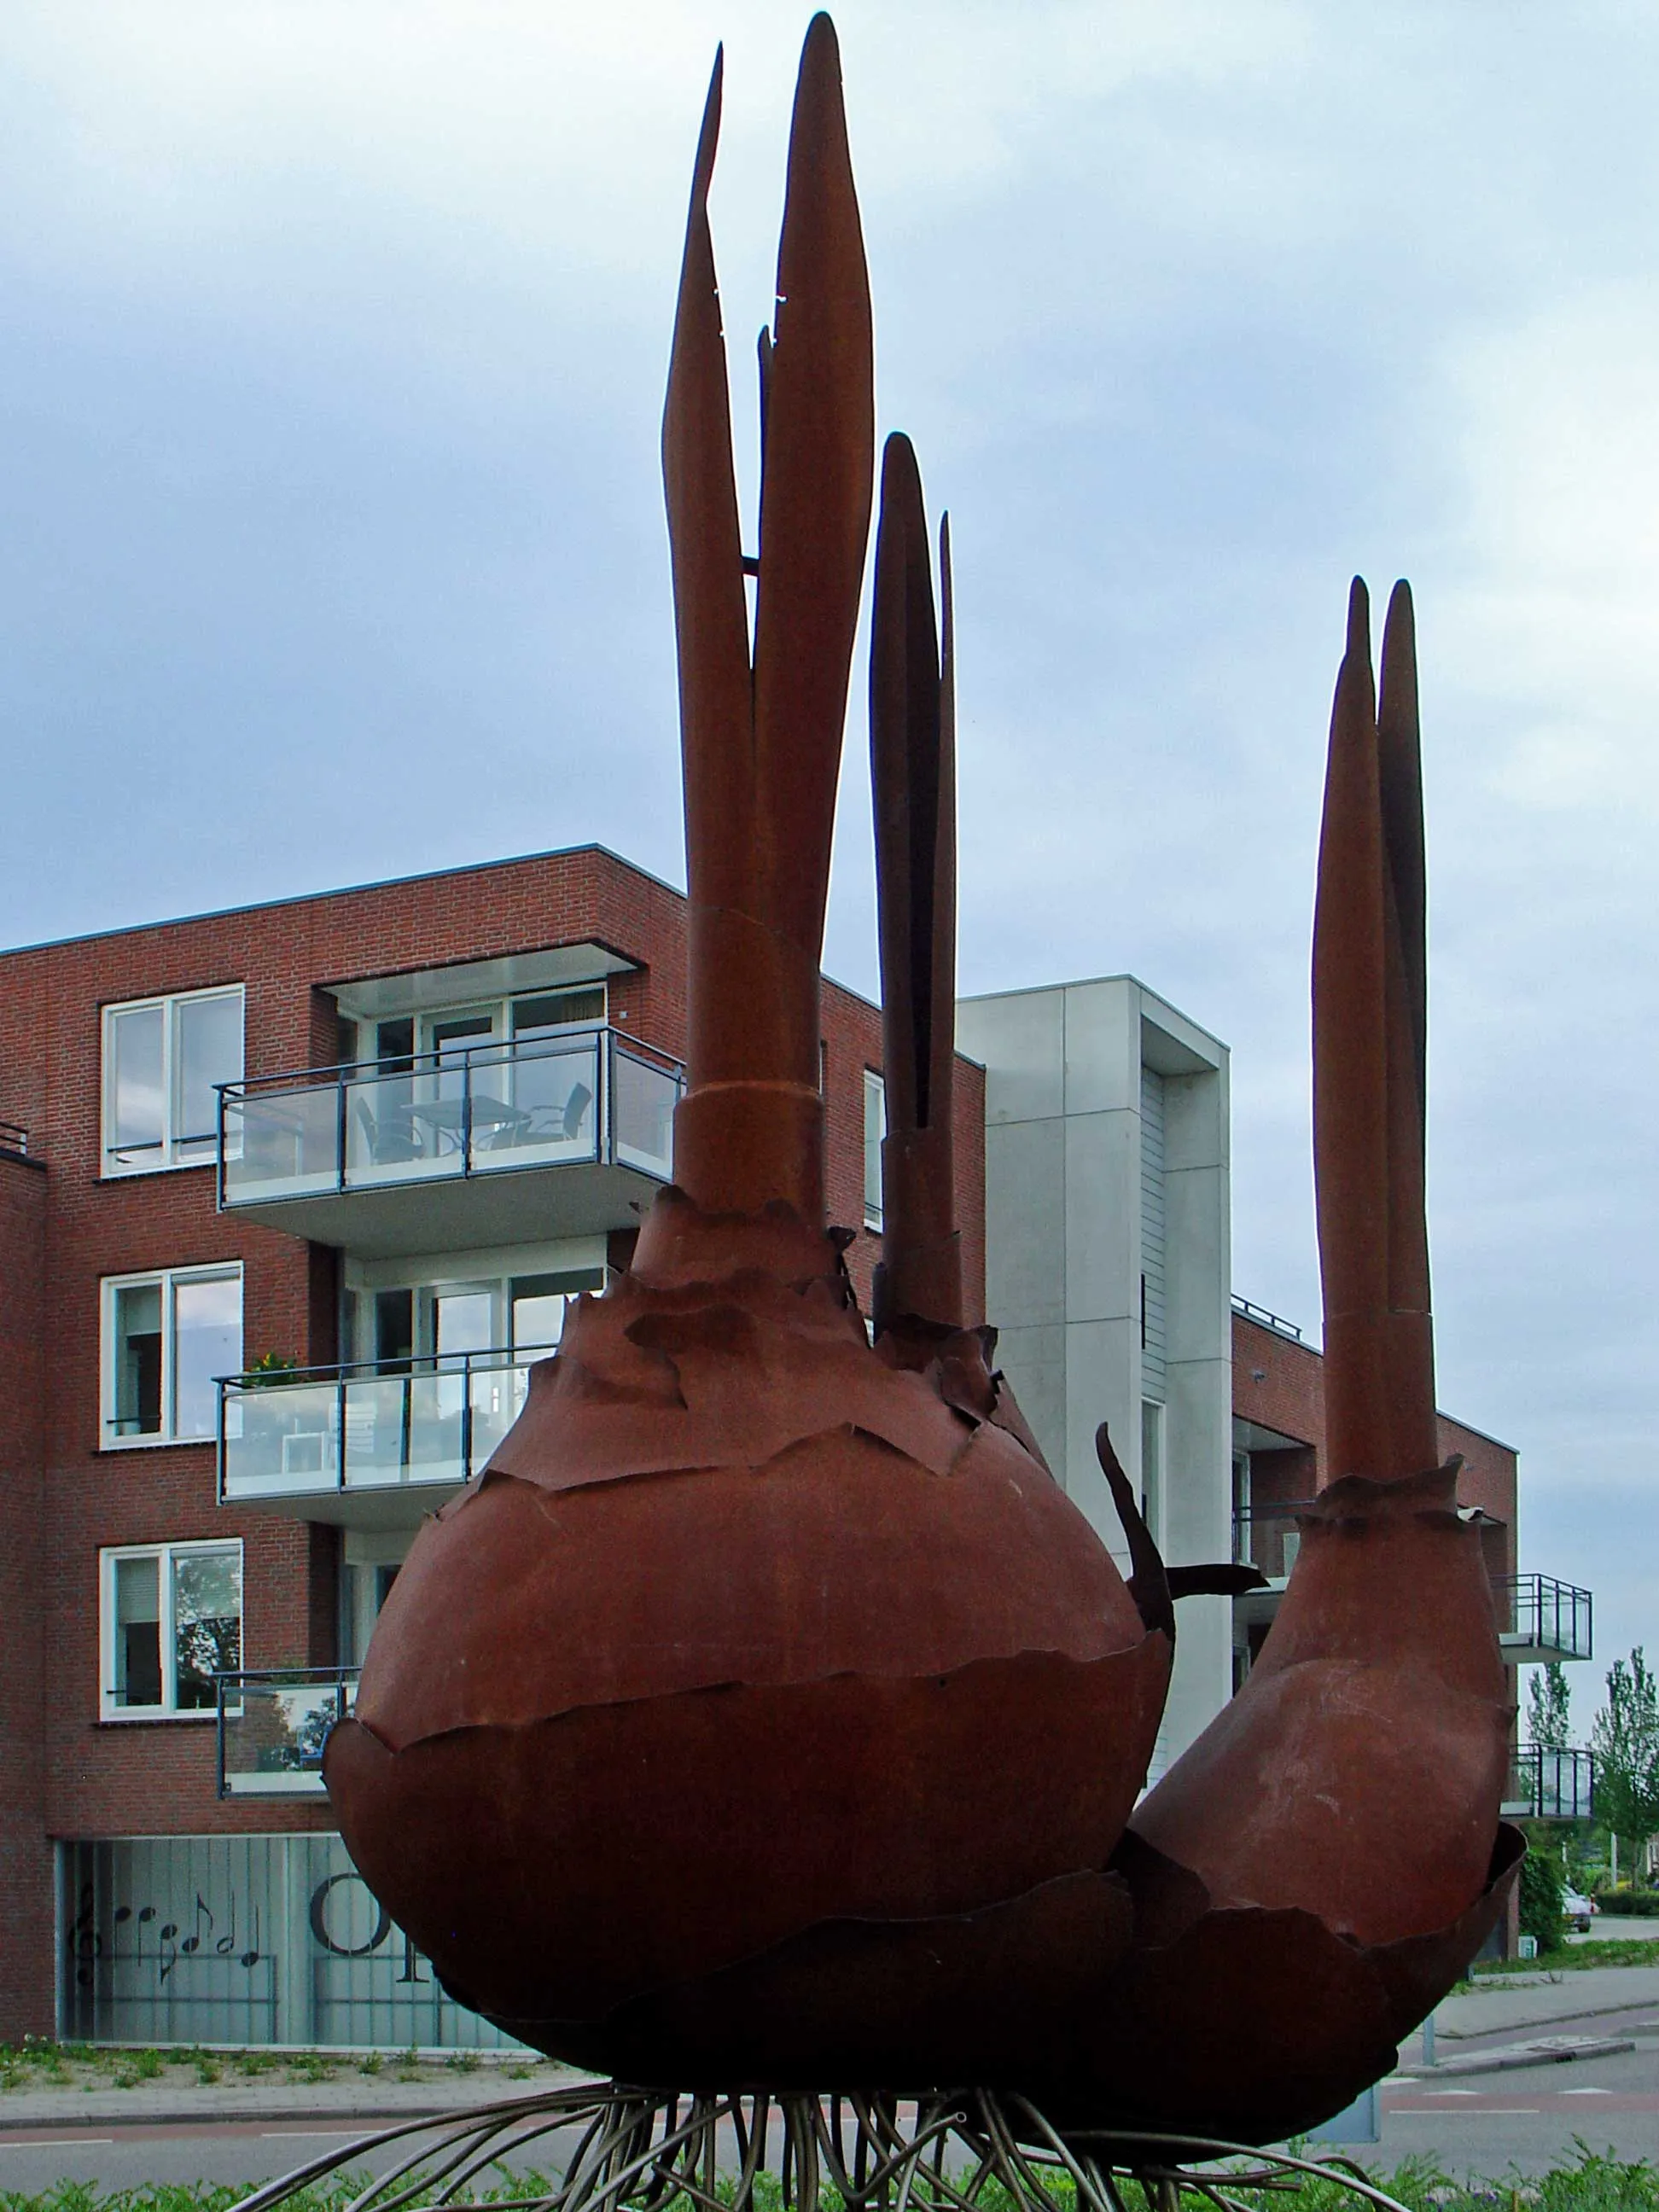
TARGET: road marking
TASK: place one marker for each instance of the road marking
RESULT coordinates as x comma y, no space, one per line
304,2135
1586,2093
52,2143
1451,2093
1486,2113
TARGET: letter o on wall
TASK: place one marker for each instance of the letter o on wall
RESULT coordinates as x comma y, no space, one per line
319,1898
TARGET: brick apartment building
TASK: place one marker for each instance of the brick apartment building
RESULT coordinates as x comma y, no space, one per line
234,1377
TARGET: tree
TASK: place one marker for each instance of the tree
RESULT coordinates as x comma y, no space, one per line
1549,1707
1626,1741
1542,1916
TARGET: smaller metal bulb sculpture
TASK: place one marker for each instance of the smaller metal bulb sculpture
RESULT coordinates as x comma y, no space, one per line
765,1711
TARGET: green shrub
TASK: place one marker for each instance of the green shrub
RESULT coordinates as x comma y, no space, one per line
1640,1903
1541,1912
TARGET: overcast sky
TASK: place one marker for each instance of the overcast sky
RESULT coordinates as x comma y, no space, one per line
333,342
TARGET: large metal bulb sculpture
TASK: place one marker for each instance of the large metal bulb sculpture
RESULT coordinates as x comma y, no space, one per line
765,1715
765,1690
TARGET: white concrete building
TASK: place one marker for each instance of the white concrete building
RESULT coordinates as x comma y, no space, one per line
1109,1258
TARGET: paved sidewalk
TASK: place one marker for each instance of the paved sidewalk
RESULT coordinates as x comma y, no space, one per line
1492,2007
376,2102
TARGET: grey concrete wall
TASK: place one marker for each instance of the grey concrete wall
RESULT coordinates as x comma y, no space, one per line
1063,1229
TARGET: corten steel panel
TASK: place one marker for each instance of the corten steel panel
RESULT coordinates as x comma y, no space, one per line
765,1685
764,1714
1341,1814
912,762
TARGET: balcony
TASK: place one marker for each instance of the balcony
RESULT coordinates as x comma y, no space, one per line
273,1726
449,1148
368,1446
1545,1784
1266,1537
1539,1619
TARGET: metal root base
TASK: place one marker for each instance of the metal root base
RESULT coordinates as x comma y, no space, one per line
622,2149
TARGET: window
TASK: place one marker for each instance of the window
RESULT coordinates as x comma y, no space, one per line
162,1061
166,1337
171,1620
436,1322
875,1128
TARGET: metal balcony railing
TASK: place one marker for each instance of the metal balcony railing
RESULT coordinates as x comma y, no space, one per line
1265,1316
583,1094
1548,1784
299,1432
1541,1618
1267,1536
272,1724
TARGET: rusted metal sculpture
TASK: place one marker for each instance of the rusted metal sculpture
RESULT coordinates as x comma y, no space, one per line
765,1718
913,773
765,1712
1319,1867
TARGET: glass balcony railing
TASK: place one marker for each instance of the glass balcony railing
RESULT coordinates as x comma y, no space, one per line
296,1432
273,1726
1539,1619
1548,1784
1536,1614
1266,1537
583,1095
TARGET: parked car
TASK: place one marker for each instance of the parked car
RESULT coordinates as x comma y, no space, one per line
1576,1910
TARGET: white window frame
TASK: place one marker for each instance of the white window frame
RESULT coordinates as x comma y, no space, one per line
164,1555
164,1157
875,1112
166,1280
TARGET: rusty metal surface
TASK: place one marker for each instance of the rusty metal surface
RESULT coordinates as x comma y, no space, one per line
766,1683
707,1665
760,746
913,773
765,1715
1370,1030
1338,1820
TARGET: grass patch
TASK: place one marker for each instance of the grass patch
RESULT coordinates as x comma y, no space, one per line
1591,2181
42,2065
311,2066
1575,1958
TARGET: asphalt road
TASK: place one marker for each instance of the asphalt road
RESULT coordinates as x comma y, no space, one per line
1525,2120
1530,2118
244,2152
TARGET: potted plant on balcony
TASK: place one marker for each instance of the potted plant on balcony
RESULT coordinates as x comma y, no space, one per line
269,1368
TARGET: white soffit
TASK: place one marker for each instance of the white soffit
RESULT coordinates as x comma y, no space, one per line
427,990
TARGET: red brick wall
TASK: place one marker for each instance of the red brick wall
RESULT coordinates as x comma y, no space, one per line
125,1777
1488,1480
1279,1383
25,1873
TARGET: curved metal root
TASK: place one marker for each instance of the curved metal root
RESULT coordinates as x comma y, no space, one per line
623,2149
